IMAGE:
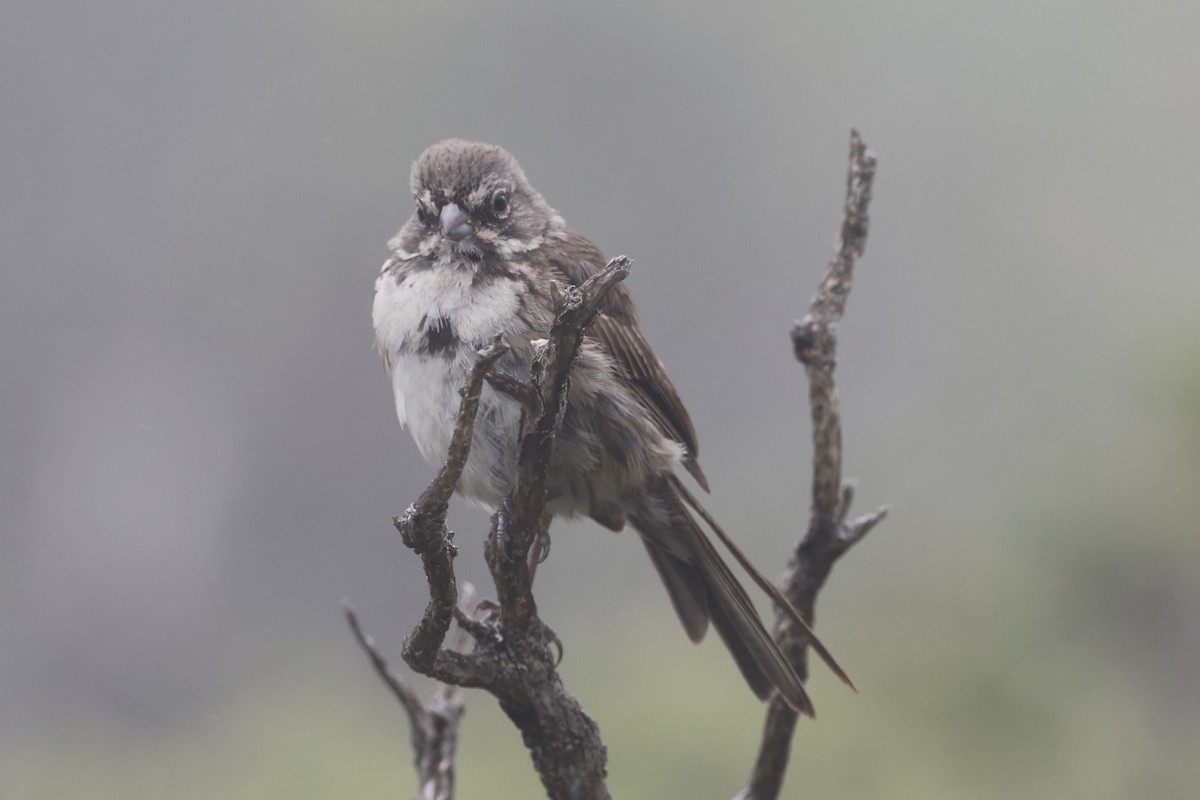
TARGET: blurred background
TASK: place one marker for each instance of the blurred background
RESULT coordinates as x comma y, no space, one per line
200,457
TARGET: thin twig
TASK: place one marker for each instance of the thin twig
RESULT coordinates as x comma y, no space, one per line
433,726
407,697
828,537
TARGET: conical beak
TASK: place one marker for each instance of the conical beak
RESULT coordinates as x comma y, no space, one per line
456,224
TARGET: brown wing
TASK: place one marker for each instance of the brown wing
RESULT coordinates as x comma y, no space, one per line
576,258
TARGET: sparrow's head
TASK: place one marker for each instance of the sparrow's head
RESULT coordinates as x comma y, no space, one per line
473,200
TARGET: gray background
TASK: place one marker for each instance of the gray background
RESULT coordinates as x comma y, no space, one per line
200,456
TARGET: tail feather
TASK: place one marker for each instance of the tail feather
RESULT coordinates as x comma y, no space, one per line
703,588
747,662
769,588
686,588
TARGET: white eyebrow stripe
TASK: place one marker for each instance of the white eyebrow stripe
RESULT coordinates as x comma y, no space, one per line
477,198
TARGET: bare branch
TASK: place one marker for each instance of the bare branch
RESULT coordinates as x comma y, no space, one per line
523,393
433,726
814,339
407,697
859,527
423,525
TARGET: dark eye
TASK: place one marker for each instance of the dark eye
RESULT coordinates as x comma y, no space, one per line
500,203
426,215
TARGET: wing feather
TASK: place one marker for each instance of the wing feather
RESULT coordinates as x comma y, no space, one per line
618,332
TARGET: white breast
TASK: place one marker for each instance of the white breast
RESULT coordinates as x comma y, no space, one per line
476,312
427,387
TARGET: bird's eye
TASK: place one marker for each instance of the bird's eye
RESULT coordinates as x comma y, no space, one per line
500,203
426,215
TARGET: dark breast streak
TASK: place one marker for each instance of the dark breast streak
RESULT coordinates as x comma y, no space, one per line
439,338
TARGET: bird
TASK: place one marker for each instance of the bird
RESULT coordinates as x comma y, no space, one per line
481,256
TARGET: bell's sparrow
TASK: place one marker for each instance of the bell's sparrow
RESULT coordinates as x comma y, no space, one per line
477,259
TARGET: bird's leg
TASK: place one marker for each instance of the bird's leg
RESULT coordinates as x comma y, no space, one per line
540,550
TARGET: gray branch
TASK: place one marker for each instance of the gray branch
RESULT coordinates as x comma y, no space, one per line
829,536
433,726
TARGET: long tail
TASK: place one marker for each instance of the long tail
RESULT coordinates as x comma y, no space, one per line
703,589
767,587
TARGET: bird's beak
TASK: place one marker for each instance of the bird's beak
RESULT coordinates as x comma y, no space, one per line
456,224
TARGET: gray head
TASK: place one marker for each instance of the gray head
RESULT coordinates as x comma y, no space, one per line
475,197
